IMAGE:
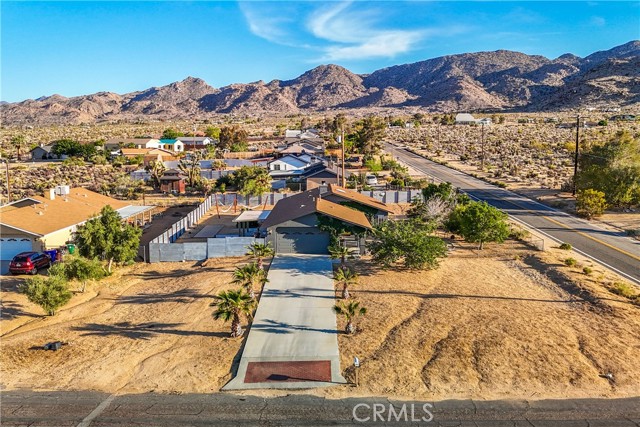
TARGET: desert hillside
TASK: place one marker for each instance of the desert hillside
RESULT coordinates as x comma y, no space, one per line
500,80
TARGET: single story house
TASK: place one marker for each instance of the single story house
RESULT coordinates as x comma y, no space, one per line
302,147
293,224
47,222
42,152
322,177
117,143
174,145
465,119
148,154
292,163
195,142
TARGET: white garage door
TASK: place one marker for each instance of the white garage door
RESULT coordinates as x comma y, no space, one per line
12,246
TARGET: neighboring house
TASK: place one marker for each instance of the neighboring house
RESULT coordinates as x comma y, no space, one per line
147,154
195,142
172,182
484,121
291,163
174,145
303,147
292,225
117,143
43,152
322,177
47,222
465,119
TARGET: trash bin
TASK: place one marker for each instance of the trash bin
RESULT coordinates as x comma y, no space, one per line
71,248
53,254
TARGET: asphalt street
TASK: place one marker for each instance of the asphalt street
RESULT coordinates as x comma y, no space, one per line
612,249
84,409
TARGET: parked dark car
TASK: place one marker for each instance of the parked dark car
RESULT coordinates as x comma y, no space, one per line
29,262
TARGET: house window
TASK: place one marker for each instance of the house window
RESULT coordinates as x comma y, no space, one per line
276,167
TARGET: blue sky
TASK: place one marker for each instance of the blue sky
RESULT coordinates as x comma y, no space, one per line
76,48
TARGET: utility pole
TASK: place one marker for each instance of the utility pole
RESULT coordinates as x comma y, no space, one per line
8,185
344,178
575,162
482,145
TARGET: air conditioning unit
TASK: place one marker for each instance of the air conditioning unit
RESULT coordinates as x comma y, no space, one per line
63,190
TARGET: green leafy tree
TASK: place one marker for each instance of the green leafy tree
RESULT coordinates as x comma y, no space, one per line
350,310
67,147
84,270
480,222
50,293
231,305
19,142
345,277
212,132
408,241
368,135
260,251
590,203
251,180
613,167
171,133
107,237
232,135
249,276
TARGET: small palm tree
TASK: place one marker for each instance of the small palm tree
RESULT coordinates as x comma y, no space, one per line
259,251
19,142
232,304
349,310
249,276
345,277
341,253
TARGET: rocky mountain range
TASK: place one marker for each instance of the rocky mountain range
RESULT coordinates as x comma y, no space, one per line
501,80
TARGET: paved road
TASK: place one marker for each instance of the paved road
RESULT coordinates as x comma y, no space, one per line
84,409
609,248
294,321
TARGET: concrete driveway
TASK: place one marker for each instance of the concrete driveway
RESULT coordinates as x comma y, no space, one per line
293,341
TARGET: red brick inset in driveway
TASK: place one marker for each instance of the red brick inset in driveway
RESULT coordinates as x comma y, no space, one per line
268,372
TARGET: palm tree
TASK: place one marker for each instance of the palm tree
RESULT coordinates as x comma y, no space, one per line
19,142
259,251
349,310
341,253
345,277
249,276
230,305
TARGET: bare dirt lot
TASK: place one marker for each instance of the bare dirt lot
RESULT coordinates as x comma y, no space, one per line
504,322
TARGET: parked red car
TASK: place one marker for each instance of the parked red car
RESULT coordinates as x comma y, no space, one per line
29,262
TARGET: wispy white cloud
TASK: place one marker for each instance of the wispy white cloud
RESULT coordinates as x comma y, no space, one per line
337,31
354,33
598,21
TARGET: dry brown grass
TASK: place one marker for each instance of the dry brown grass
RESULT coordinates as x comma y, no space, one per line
504,322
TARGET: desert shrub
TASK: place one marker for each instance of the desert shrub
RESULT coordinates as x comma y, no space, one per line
590,203
587,270
566,246
516,233
624,290
570,262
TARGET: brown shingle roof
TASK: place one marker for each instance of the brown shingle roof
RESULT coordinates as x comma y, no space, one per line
53,215
360,198
307,203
